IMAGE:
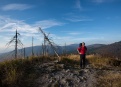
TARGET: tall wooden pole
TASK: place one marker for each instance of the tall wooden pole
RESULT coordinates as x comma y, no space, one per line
44,47
32,47
24,53
16,44
65,49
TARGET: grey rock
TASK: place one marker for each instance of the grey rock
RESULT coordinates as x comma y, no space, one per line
86,70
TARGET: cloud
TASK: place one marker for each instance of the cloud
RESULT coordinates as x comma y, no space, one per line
73,32
78,19
98,1
78,5
8,27
72,39
48,23
101,1
16,7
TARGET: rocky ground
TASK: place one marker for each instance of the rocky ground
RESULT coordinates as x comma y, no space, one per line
53,74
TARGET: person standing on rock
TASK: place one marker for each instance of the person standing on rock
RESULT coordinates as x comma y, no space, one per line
82,51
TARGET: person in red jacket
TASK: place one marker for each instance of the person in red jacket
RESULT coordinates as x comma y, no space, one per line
82,51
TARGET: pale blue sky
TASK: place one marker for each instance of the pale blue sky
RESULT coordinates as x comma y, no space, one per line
67,21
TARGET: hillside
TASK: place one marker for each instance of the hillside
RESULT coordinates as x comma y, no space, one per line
93,47
111,50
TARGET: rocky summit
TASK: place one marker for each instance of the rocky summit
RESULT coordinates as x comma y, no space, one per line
57,75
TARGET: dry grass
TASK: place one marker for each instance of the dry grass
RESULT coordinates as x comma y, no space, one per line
98,62
110,79
102,63
95,60
105,76
20,72
74,57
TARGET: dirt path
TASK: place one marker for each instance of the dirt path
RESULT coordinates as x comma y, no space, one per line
56,75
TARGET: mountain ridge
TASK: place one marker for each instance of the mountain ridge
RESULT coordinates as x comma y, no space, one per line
110,50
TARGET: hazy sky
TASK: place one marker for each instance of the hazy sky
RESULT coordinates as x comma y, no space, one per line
67,21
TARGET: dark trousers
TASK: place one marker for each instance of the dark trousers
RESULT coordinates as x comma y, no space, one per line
82,60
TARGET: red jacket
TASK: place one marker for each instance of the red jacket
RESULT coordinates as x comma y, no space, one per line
82,50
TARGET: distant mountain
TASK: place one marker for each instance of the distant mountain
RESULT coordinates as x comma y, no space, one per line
38,50
111,50
93,47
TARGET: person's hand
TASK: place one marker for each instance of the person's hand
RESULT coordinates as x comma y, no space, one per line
79,53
